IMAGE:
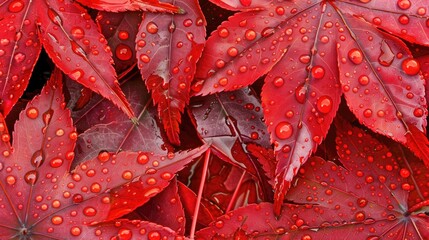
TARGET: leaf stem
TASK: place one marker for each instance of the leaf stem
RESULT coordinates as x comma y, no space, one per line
234,195
200,193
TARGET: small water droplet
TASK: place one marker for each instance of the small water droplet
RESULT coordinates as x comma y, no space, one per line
284,130
56,162
154,235
404,172
125,234
103,156
404,19
418,112
37,158
187,22
144,58
57,220
75,231
55,17
223,32
219,224
360,216
404,4
142,158
268,31
280,10
123,35
232,51
363,80
278,81
89,211
32,113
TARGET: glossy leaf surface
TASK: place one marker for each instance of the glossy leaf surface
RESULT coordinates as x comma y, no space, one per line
312,53
41,198
70,38
168,47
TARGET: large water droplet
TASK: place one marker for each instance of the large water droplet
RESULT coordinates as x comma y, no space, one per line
16,6
31,177
77,32
123,52
324,104
386,55
410,66
284,130
38,158
301,93
318,72
151,27
355,55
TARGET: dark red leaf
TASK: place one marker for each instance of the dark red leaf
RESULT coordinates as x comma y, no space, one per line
120,30
42,199
109,130
367,197
75,46
165,209
131,5
418,143
312,52
168,47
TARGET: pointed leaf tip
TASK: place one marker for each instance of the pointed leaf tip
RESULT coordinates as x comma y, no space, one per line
418,143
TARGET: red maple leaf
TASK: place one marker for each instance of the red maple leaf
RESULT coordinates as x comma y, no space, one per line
312,53
69,36
376,193
168,47
41,198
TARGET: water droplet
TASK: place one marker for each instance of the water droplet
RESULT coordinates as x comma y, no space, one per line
280,10
404,172
318,72
154,235
123,52
142,158
324,104
75,231
301,93
31,177
232,51
77,198
11,180
418,112
355,55
32,113
367,113
55,18
268,31
103,156
56,162
89,211
187,22
223,81
57,220
76,74
278,81
127,175
38,158
123,35
284,130
16,6
403,19
304,58
250,34
306,237
360,216
363,80
19,57
404,4
77,32
246,3
144,58
362,202
95,188
386,55
125,234
223,32
151,27
219,224
410,66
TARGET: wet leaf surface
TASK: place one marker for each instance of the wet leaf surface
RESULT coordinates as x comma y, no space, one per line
312,53
168,47
71,39
41,198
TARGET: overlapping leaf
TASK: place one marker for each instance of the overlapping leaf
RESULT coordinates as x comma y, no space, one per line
131,5
168,47
70,38
367,198
313,52
42,199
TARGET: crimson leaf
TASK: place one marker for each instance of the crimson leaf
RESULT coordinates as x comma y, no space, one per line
168,47
70,38
313,52
42,199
